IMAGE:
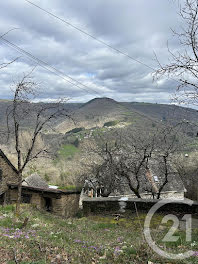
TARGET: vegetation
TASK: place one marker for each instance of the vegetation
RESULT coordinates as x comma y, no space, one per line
76,130
70,188
111,123
128,155
67,151
99,239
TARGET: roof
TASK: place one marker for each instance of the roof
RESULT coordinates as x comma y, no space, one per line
35,180
43,190
3,156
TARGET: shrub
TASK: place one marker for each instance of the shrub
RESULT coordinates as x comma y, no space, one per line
111,123
76,130
46,177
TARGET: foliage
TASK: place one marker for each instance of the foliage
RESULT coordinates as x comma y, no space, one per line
46,177
111,123
76,130
67,151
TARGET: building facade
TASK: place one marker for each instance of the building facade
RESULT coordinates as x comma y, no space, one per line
8,175
59,202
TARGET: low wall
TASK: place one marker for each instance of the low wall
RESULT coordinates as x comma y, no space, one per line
67,205
128,205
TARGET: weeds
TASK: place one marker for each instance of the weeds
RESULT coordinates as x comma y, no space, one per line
94,239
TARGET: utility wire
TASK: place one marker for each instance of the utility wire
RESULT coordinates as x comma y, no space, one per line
91,36
97,39
46,66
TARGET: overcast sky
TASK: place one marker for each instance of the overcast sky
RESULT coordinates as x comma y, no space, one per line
136,27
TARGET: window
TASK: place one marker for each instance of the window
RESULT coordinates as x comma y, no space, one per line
156,179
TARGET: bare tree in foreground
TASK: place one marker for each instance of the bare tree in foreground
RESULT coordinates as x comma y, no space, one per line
39,116
128,156
183,65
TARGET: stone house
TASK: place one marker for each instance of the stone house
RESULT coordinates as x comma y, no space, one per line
59,202
35,191
8,175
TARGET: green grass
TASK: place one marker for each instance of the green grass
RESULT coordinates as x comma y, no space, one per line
70,187
68,151
93,239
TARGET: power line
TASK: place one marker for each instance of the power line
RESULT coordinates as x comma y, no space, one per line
91,36
48,67
97,39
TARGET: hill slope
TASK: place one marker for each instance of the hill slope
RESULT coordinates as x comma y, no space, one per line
99,111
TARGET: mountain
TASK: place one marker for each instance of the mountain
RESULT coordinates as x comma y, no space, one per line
69,137
163,111
98,112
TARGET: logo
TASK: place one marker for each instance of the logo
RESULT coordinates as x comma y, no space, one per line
169,237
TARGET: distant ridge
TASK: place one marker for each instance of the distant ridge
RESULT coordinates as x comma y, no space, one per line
100,110
99,100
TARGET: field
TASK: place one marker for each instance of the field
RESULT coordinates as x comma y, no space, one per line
94,239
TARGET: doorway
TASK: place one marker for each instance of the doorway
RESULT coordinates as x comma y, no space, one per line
48,204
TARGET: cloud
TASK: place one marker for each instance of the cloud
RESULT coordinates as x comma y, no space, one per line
136,27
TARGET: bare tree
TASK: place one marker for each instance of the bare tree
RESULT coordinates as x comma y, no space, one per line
39,117
5,64
129,157
101,162
183,65
137,148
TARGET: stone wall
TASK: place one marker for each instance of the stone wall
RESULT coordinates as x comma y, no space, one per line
35,198
128,205
67,205
9,175
71,204
192,192
64,204
164,195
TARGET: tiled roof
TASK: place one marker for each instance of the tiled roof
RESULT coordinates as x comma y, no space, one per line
45,190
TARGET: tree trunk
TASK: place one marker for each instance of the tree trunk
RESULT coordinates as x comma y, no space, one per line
135,190
18,203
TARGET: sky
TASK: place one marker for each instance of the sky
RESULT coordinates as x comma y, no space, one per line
139,28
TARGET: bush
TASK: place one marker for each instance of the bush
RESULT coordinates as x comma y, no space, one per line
76,130
46,177
76,142
111,123
79,214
